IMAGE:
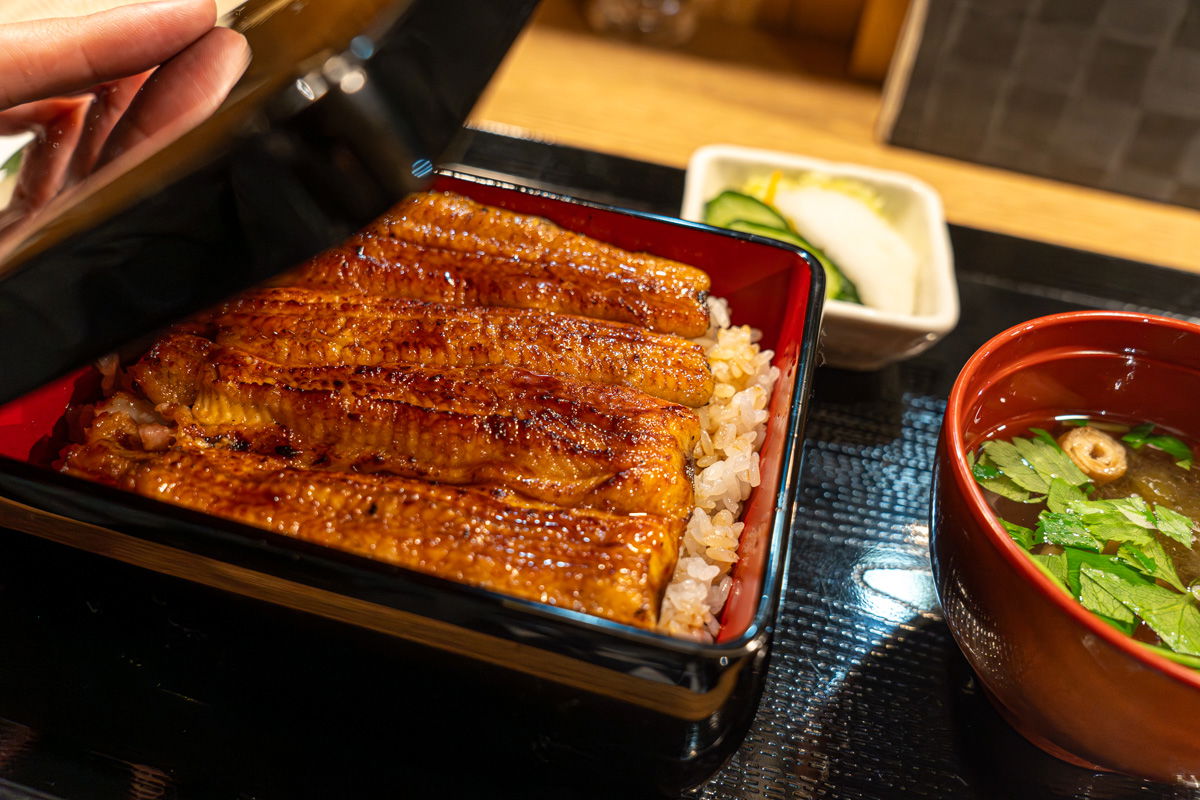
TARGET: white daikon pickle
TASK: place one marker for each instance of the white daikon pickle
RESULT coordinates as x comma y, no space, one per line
845,219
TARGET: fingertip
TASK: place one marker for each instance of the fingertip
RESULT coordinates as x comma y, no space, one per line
182,20
205,8
235,45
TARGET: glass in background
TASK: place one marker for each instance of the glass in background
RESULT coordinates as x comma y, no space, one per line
661,22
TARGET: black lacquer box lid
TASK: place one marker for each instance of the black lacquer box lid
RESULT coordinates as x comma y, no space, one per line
345,106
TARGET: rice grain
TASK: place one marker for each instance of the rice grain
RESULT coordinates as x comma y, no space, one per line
733,426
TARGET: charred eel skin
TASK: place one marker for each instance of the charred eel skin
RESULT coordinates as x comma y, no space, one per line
555,439
609,565
303,327
445,248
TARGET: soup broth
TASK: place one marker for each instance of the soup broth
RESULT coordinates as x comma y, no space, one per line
1109,512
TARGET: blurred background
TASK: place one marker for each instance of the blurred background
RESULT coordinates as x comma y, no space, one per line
1066,121
1075,122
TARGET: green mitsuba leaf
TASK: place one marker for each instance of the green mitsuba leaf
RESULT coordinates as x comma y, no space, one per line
1023,468
1152,559
1007,458
1019,533
1076,558
990,477
1055,567
1144,435
1137,435
1174,525
1094,597
1044,435
1126,628
1134,509
1049,460
985,471
1067,530
1062,495
1173,447
1173,616
1134,557
1126,519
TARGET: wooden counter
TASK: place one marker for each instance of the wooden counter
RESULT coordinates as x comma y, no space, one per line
563,84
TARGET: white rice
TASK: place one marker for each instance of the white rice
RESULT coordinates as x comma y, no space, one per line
733,425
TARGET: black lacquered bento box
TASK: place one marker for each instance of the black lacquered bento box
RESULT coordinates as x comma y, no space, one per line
597,693
323,132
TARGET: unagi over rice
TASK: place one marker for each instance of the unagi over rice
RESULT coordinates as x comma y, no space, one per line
561,441
450,249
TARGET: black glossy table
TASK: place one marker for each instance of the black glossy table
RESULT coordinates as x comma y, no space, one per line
118,683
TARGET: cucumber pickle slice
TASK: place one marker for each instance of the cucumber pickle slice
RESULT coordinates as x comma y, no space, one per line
741,212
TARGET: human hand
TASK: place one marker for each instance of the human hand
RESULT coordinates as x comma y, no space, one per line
91,88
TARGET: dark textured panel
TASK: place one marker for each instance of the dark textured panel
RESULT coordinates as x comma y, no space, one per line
1161,141
1094,132
1174,83
986,37
1187,195
1030,114
1053,55
1146,21
1143,183
1188,34
1118,70
960,109
920,80
1076,12
1060,90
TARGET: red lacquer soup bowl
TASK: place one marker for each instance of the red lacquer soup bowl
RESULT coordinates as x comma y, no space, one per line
1076,687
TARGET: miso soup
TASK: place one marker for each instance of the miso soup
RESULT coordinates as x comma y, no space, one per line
1109,512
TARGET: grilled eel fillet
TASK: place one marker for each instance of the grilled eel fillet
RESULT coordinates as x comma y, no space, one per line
590,561
446,248
558,440
303,327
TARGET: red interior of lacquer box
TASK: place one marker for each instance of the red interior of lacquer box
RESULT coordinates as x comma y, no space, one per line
766,287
